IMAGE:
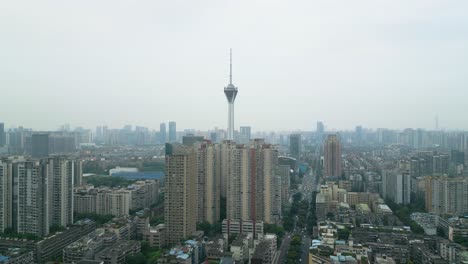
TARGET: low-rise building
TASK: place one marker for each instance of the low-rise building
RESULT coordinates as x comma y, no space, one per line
155,236
235,227
118,253
240,248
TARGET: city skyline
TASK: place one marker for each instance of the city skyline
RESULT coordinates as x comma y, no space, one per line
377,63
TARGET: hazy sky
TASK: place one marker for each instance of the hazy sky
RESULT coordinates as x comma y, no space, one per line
376,63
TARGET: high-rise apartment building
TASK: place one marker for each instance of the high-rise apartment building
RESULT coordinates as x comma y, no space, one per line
113,202
208,183
223,152
172,132
253,186
5,195
264,181
358,134
284,173
445,195
180,203
332,157
162,133
2,135
238,183
320,131
396,186
40,145
295,146
30,199
245,135
61,175
78,173
36,194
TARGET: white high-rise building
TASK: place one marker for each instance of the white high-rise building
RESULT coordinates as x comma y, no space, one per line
61,174
30,202
396,186
36,194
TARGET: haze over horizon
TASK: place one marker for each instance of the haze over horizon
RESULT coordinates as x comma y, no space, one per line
392,64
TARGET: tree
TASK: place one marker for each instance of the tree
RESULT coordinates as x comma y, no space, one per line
343,233
204,226
138,258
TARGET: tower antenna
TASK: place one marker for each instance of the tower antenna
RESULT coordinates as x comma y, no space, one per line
230,66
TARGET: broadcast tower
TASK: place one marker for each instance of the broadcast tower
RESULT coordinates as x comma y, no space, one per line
231,92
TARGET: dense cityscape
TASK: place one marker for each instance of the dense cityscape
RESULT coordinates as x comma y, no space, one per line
124,138
137,195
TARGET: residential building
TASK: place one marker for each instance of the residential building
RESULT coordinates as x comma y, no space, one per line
332,157
245,135
445,195
396,186
208,183
295,146
40,145
61,174
180,208
162,133
172,132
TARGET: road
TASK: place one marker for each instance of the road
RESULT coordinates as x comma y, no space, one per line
305,249
283,250
308,186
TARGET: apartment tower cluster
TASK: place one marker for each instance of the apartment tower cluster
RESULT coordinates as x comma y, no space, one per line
36,194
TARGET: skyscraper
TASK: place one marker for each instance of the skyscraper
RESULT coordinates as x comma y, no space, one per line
231,92
396,186
162,133
245,135
237,183
180,201
2,134
208,191
172,132
223,160
445,195
5,194
36,194
332,157
295,147
320,130
30,206
253,184
61,174
40,145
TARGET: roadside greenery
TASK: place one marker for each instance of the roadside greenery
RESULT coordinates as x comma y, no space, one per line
9,233
295,250
209,229
99,219
461,240
403,213
275,229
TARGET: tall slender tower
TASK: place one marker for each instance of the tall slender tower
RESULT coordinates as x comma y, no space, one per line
231,92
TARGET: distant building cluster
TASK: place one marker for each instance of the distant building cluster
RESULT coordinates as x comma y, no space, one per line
22,141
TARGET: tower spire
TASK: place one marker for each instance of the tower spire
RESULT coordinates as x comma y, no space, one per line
230,66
